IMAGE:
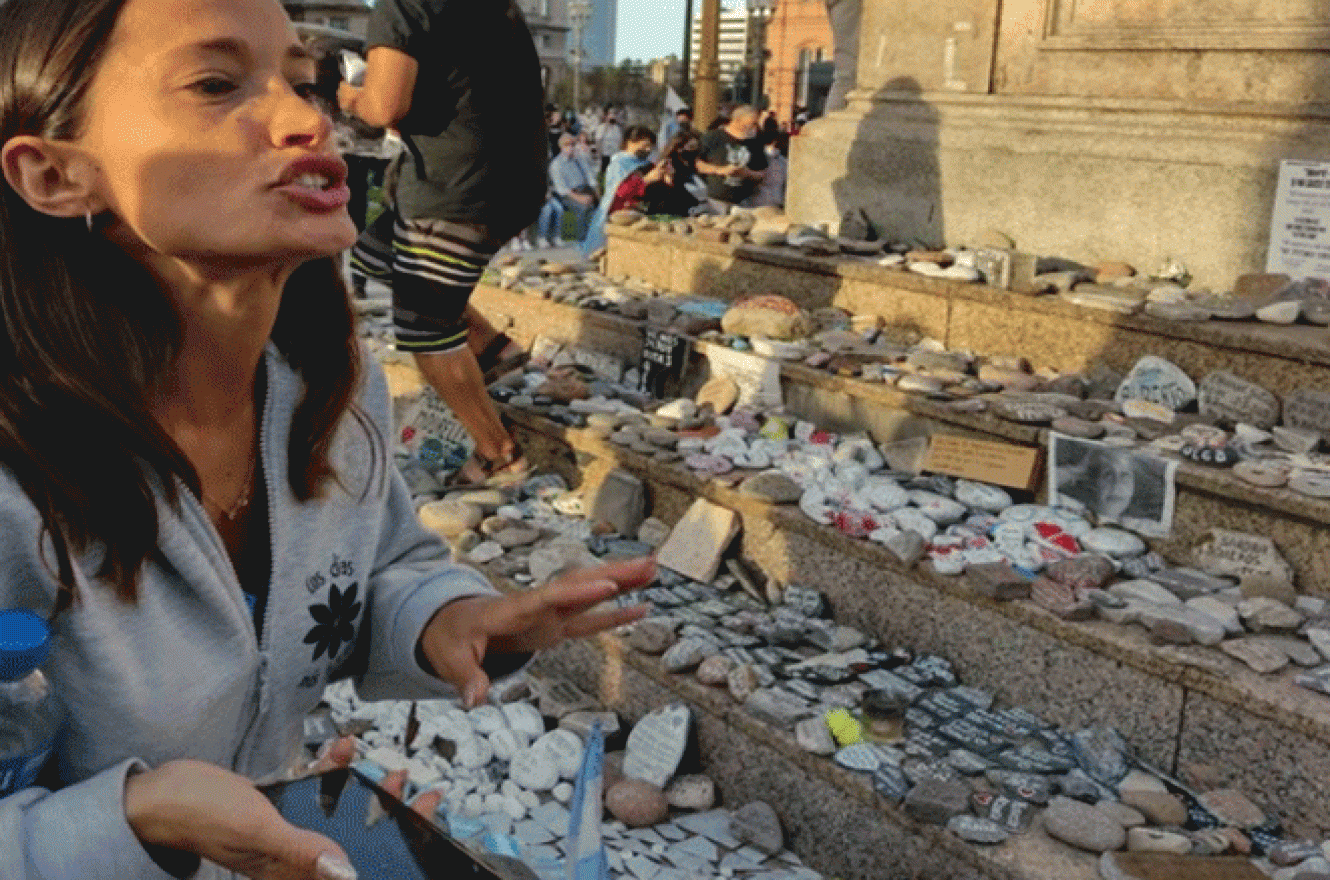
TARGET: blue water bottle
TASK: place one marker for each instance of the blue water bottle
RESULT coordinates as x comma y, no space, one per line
30,712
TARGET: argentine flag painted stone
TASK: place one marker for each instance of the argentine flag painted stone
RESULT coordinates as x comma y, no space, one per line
586,850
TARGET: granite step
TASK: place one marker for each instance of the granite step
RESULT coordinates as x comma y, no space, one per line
1206,497
973,316
832,817
1192,711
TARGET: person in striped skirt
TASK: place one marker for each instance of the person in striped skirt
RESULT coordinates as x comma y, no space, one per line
461,83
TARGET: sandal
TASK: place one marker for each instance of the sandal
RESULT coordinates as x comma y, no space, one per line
493,365
482,472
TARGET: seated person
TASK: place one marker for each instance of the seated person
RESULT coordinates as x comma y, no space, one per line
638,142
572,183
670,187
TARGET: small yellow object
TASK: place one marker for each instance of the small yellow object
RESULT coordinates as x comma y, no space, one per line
844,727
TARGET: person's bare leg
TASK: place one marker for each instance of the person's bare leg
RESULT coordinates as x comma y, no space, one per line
456,376
480,333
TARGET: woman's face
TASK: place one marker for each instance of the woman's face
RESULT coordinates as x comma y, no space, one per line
196,121
641,149
1117,484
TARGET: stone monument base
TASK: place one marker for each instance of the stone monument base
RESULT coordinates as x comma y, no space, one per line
1087,179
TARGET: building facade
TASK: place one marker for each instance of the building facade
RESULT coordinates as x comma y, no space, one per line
351,16
550,31
547,19
736,32
1114,130
599,34
797,36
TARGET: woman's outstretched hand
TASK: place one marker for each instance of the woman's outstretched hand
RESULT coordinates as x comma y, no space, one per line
458,636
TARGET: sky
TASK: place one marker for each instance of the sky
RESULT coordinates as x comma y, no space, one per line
650,29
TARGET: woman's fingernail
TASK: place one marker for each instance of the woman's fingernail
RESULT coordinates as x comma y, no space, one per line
331,867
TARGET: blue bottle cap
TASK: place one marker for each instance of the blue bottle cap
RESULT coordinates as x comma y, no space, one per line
25,641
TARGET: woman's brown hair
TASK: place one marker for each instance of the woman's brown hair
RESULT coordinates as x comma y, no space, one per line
86,347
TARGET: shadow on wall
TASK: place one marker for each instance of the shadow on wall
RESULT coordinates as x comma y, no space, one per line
892,172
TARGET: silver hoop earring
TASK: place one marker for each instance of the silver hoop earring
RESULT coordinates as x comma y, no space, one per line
87,216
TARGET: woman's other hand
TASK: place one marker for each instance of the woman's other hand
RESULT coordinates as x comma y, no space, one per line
458,636
199,808
220,816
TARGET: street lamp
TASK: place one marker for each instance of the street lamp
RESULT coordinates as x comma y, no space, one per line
760,12
579,11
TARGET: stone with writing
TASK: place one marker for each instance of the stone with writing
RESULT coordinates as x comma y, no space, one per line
656,745
687,653
1156,379
1253,559
1308,409
742,681
1228,398
977,830
652,636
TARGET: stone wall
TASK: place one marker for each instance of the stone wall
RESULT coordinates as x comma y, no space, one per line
1090,131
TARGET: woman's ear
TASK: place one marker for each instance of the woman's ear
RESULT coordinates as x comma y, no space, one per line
53,178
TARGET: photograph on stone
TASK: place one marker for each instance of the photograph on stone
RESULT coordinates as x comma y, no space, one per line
1117,485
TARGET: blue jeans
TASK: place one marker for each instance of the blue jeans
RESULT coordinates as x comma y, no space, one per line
550,223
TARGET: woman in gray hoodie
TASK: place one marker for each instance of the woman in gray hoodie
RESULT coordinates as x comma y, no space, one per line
195,471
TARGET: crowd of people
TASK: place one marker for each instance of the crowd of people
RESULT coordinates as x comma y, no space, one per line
599,167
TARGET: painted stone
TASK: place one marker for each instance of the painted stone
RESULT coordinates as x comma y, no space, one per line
1228,398
1158,380
656,744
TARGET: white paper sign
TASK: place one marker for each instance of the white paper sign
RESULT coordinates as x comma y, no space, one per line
758,378
1300,223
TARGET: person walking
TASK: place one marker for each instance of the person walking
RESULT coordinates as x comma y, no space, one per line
241,536
461,82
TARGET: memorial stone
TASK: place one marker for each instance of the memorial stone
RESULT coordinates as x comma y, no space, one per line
1158,380
1250,558
1307,409
656,745
1225,397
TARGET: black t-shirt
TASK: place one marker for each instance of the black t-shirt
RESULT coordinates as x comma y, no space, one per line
475,134
719,147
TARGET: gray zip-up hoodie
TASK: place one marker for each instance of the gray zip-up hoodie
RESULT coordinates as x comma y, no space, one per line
180,674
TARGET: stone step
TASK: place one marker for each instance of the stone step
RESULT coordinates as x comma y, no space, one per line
1192,711
1206,497
978,317
832,817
